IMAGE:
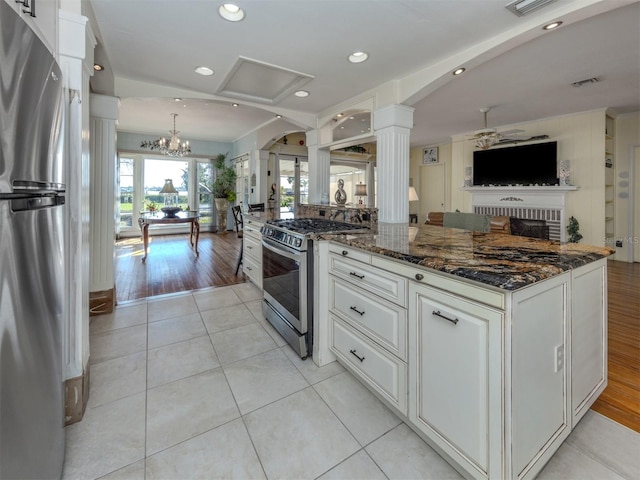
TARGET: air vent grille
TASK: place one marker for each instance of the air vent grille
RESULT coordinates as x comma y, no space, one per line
524,7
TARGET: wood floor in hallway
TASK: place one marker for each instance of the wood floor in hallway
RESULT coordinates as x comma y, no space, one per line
621,399
172,266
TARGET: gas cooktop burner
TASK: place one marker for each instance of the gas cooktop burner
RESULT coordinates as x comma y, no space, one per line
314,225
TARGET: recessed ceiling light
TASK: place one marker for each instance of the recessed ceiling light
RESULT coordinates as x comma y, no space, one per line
206,71
278,116
231,12
177,99
339,115
350,118
97,67
301,93
551,26
234,105
459,71
358,57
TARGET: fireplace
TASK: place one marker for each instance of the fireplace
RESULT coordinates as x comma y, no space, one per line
529,228
541,209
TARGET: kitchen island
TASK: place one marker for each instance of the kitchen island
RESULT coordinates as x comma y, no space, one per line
490,346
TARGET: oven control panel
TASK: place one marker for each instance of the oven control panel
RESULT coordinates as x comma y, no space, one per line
282,236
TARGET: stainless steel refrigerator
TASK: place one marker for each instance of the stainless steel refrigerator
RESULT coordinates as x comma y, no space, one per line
32,263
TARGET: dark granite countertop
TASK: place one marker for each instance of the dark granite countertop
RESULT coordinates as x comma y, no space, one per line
508,262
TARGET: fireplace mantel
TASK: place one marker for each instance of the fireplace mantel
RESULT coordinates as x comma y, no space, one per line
530,202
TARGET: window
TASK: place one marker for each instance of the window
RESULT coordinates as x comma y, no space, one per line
155,173
140,179
205,197
294,181
125,188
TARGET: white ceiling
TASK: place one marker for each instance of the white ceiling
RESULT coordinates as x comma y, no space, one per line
153,46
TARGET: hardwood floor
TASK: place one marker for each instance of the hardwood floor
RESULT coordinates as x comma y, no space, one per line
621,399
172,267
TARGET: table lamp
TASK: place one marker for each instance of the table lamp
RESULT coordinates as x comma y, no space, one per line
170,198
361,191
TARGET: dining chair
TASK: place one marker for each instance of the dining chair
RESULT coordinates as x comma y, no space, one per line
256,207
237,217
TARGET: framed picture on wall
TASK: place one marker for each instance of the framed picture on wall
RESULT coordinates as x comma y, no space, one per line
430,156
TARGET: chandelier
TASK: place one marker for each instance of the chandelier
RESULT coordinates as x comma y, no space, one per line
173,147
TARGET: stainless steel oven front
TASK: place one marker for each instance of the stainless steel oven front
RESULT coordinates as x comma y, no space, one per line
288,292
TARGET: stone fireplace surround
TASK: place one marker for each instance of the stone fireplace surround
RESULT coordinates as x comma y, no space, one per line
528,203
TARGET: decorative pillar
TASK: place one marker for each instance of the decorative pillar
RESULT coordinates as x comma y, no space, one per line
393,125
76,44
319,163
104,114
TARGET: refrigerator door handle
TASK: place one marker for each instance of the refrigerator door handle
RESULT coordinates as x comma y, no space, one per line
35,203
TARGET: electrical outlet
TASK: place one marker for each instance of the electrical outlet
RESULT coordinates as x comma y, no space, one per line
559,358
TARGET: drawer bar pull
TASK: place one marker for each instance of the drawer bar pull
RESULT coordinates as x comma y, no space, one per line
438,314
353,352
361,313
344,253
249,247
356,275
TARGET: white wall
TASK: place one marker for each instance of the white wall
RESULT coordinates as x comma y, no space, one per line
580,140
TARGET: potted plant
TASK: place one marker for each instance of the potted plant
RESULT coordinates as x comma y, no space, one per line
223,188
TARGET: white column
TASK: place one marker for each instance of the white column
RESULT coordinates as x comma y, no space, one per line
319,163
76,43
393,125
104,113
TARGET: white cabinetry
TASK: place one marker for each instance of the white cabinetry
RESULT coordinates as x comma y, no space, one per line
494,380
454,374
588,337
252,250
368,323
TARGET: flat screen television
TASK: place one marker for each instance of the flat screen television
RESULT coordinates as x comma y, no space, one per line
520,165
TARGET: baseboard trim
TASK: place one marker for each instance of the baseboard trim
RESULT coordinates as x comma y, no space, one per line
76,393
102,302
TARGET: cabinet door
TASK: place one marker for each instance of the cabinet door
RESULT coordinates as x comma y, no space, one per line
450,360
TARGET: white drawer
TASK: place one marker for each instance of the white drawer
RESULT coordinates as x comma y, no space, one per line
252,229
382,371
253,270
385,284
344,251
383,321
253,248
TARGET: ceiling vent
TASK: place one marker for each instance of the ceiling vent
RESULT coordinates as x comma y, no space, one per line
586,81
261,82
525,7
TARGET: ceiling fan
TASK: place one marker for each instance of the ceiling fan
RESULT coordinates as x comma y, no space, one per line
486,137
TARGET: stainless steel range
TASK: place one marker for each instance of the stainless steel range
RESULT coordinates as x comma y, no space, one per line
287,268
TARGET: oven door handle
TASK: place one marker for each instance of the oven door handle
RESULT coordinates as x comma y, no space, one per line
281,250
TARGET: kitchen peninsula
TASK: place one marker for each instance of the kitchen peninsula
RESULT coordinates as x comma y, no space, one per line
490,346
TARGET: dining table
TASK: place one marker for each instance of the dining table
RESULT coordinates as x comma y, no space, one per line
159,218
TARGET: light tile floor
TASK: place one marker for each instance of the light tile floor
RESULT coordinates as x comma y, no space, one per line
199,385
